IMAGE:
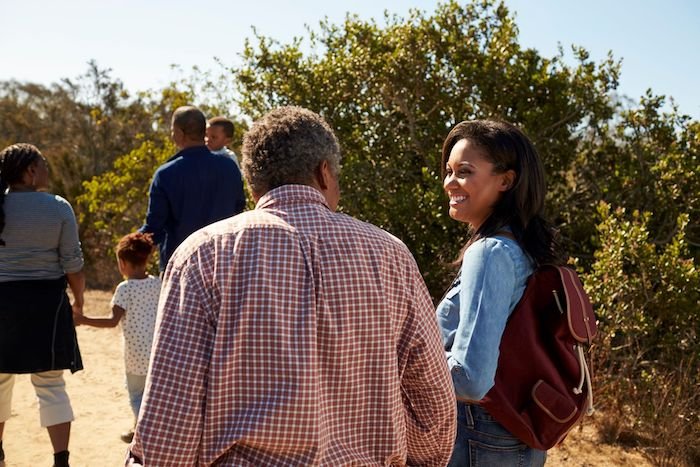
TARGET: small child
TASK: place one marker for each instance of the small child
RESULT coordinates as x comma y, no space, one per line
135,304
219,135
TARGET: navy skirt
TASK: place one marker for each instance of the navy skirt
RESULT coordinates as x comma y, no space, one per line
36,327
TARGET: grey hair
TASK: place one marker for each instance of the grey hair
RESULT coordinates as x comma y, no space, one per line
285,147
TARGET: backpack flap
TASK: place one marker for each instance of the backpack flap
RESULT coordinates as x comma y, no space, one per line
579,311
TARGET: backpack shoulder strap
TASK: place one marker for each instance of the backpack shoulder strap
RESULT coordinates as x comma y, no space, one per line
579,312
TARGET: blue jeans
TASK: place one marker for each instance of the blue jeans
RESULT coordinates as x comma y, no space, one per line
482,441
135,384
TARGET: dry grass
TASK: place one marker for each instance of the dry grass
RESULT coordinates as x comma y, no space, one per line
584,448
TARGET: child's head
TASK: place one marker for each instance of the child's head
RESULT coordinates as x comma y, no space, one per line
219,133
133,251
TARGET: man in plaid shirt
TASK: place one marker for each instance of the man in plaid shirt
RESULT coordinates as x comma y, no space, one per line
292,334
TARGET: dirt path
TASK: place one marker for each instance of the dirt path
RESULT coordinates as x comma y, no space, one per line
102,413
99,401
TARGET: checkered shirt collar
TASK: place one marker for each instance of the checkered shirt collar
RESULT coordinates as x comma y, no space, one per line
290,194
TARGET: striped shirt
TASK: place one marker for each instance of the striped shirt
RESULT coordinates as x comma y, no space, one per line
293,335
41,237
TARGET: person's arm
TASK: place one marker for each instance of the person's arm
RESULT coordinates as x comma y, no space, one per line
170,426
429,400
70,255
110,322
76,282
158,210
486,290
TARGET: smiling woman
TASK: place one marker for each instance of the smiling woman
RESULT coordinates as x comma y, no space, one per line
495,183
473,183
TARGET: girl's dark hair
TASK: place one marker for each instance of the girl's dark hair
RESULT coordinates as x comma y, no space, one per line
135,248
14,160
521,208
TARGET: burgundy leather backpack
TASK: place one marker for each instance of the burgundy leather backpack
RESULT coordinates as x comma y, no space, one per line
543,385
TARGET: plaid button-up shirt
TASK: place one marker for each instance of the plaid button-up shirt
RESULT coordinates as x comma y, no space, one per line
294,335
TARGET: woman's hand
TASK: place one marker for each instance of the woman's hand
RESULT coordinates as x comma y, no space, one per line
77,308
76,282
78,318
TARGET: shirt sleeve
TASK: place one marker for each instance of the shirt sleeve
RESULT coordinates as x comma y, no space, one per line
170,425
121,296
158,209
429,401
70,255
487,285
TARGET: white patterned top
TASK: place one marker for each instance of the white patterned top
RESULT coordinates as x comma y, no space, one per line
139,298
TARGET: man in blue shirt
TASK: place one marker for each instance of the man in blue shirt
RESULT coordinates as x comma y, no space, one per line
193,188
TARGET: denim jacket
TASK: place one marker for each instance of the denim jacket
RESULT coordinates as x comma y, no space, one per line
473,314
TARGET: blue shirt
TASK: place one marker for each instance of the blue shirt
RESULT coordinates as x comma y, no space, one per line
194,188
473,314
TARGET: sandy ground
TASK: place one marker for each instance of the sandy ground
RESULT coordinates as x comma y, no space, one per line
102,412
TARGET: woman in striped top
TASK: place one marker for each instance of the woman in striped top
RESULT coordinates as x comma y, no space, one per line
39,254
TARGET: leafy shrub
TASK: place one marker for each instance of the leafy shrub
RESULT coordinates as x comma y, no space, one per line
114,204
393,92
647,300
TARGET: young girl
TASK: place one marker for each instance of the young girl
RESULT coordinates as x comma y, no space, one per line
135,304
495,183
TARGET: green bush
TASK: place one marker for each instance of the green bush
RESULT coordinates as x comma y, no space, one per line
393,92
647,300
114,204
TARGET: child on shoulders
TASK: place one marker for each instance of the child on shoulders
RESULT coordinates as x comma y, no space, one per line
219,135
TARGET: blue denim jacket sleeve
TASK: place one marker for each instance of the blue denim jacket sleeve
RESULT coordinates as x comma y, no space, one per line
473,314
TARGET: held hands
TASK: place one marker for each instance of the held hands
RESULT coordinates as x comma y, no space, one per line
78,319
78,313
77,307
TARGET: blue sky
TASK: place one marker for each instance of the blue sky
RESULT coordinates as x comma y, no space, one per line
45,40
